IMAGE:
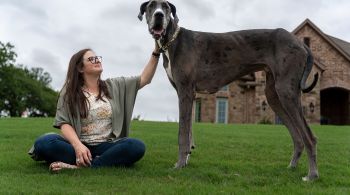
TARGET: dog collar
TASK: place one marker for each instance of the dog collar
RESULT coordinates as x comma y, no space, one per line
165,47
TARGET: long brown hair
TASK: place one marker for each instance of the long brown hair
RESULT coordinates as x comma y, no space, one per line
74,96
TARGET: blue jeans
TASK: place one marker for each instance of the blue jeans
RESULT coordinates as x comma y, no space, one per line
125,152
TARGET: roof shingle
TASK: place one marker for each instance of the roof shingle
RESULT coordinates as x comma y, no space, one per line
342,44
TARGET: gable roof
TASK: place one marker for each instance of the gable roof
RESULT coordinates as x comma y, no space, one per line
342,46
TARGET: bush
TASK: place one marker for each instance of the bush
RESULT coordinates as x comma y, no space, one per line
265,121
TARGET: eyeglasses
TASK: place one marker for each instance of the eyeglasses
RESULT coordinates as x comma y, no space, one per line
95,59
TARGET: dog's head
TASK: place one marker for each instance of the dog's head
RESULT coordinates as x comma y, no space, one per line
158,16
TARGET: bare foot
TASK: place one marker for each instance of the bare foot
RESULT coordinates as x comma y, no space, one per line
57,166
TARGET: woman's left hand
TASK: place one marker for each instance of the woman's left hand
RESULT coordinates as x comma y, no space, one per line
156,47
83,155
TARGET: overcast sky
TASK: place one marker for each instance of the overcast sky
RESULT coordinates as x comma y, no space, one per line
46,33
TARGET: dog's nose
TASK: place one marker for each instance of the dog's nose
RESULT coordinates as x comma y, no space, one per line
159,15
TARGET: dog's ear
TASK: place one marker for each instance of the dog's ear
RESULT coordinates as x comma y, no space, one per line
142,10
173,11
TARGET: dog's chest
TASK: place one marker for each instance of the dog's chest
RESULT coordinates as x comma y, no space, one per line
167,65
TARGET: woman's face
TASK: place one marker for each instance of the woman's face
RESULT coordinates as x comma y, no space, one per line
92,63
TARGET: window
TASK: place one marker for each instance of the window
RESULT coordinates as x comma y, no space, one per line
307,41
197,111
224,88
221,110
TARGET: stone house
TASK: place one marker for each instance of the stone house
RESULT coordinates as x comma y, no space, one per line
244,101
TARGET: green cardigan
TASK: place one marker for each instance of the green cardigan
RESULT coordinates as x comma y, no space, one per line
123,91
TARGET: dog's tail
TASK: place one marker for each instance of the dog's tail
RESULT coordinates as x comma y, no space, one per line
307,70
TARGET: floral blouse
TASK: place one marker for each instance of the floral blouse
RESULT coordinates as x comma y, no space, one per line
97,126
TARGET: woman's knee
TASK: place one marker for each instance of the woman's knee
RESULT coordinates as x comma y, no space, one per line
44,142
136,147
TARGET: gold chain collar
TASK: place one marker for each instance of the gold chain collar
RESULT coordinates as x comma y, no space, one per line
165,47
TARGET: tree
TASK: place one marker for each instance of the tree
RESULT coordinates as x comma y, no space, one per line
7,56
21,88
39,75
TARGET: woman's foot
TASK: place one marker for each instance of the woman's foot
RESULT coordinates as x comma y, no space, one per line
57,166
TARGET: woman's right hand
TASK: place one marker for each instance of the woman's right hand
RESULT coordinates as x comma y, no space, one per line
83,155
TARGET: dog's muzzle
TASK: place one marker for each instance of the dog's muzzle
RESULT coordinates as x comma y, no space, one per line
158,28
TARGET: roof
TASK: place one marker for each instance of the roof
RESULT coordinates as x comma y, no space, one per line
342,46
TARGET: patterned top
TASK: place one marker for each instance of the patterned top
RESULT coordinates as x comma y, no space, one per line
97,126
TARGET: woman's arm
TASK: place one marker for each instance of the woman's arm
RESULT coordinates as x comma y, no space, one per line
81,151
150,69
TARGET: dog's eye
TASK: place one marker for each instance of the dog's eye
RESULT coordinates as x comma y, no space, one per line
165,6
152,4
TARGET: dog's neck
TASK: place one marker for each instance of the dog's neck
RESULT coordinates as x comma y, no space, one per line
172,31
171,28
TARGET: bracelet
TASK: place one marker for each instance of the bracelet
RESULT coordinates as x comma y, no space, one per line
156,55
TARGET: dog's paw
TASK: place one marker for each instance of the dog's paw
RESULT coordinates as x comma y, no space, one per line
310,178
292,167
182,162
293,164
179,165
306,178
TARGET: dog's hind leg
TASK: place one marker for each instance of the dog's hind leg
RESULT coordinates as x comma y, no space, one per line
186,97
276,106
289,94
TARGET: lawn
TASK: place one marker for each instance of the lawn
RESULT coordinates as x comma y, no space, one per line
229,159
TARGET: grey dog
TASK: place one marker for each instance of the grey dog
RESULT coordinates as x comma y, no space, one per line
204,62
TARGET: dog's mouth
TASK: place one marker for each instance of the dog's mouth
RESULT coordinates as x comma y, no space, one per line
157,32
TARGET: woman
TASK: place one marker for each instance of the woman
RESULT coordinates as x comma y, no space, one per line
94,117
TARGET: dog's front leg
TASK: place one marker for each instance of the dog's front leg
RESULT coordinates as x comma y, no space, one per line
186,97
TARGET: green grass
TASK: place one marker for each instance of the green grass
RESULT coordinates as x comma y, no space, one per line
229,159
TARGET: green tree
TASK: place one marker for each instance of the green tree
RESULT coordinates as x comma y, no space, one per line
38,74
21,88
7,56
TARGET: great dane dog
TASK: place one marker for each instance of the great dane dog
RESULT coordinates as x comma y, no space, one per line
204,62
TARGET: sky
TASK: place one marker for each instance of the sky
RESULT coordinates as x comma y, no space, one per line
47,33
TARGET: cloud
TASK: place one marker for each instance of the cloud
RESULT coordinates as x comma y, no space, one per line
122,12
50,62
199,10
26,8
